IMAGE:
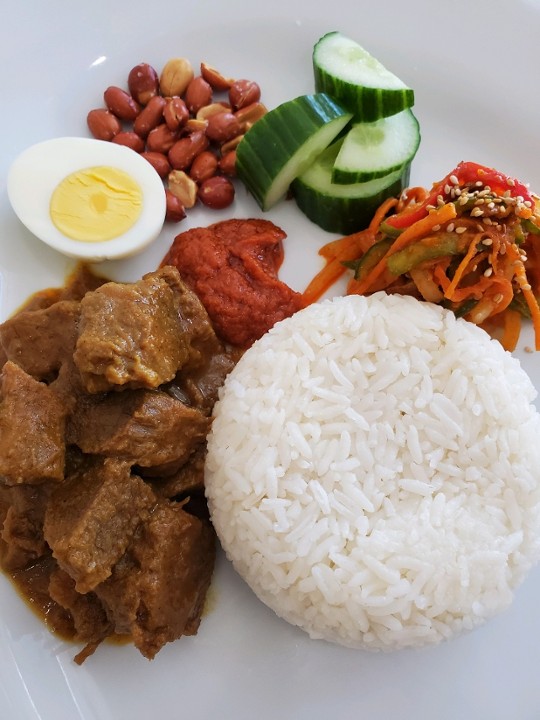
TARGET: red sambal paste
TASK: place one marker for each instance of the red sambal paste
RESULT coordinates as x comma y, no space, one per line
232,266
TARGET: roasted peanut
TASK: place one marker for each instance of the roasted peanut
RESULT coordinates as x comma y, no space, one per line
198,94
103,124
227,163
121,104
194,125
185,150
175,113
203,166
175,211
215,79
176,75
130,140
159,162
150,116
231,144
217,192
249,114
244,92
183,187
213,109
160,139
223,127
143,83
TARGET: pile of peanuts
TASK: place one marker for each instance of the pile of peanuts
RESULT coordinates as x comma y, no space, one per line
176,121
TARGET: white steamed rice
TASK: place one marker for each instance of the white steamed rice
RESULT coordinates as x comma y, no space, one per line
373,472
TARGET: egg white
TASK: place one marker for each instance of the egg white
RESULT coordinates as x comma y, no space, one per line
34,175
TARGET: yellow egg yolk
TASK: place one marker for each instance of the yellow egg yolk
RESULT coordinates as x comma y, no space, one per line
96,204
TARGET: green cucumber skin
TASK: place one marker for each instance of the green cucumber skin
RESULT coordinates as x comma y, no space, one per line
366,103
262,146
345,177
344,215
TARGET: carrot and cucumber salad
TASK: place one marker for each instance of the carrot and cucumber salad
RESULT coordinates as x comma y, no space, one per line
470,243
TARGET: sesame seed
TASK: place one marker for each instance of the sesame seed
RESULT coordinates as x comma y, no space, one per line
526,286
476,212
450,227
498,298
436,228
527,203
447,189
511,182
488,271
460,229
487,242
453,179
478,183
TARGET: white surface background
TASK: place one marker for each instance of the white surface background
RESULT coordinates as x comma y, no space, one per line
474,66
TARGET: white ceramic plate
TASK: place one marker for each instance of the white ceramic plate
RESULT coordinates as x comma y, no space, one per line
474,66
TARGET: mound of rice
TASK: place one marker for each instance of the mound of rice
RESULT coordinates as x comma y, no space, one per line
373,472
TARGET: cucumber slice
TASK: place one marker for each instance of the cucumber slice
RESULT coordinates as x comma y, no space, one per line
343,209
284,142
358,81
372,150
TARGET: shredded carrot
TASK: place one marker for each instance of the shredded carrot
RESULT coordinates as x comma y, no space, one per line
512,329
338,251
324,280
530,298
437,217
471,252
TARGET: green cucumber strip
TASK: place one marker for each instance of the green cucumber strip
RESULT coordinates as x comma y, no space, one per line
372,150
347,72
342,209
284,142
363,266
448,243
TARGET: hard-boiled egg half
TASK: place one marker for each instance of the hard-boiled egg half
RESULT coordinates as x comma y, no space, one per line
86,198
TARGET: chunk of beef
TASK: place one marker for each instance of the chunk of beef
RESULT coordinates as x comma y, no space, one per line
129,336
22,527
144,427
189,479
32,425
91,518
90,622
156,592
68,387
193,318
199,387
209,359
39,341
